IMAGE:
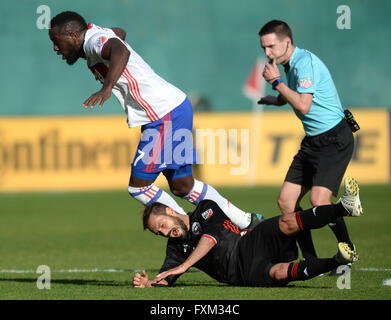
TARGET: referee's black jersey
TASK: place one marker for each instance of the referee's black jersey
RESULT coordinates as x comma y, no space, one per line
207,220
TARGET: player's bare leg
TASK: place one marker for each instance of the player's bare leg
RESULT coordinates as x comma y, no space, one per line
181,186
320,196
136,182
290,197
289,201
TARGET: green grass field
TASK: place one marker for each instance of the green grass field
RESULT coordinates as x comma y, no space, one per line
88,233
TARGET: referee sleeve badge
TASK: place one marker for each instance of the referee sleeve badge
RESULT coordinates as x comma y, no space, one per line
305,82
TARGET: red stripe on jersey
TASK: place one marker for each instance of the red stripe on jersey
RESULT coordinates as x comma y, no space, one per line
140,100
137,90
134,94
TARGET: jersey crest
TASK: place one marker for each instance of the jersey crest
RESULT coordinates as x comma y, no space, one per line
196,228
100,41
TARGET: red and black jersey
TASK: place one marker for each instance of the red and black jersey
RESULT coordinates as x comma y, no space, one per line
208,220
238,257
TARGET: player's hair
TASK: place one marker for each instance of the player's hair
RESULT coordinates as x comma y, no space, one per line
69,19
280,28
156,208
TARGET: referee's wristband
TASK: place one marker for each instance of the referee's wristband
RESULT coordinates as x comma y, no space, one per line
276,83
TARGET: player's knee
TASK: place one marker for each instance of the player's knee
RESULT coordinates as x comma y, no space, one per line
320,198
180,190
288,224
181,187
315,202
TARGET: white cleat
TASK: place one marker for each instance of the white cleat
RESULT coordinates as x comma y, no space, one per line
345,254
351,199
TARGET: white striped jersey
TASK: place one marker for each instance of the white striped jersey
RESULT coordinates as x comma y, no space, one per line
144,95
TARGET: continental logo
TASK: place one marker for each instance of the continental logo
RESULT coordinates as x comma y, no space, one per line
52,151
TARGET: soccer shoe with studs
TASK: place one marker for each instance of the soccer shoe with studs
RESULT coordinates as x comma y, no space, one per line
351,198
346,254
338,271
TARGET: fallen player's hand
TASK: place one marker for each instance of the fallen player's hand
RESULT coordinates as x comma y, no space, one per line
98,97
140,280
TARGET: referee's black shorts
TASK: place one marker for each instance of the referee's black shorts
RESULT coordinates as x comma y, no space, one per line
322,159
262,248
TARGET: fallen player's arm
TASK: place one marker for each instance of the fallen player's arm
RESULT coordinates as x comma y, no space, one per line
117,53
203,247
121,33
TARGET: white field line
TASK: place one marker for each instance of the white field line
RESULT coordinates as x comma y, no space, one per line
374,269
113,270
84,270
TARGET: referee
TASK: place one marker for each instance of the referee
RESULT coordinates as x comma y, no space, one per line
327,147
260,256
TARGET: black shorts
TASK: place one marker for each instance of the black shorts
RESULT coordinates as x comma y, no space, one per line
322,159
262,248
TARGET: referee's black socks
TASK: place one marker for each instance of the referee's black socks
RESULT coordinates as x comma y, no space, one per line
320,216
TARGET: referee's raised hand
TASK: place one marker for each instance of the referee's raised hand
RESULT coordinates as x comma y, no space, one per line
271,72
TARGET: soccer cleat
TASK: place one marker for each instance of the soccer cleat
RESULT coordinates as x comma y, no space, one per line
338,271
256,218
345,254
350,198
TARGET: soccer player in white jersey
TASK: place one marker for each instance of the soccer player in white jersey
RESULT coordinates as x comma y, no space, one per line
162,110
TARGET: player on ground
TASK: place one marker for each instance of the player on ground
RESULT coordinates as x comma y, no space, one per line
163,111
263,256
327,147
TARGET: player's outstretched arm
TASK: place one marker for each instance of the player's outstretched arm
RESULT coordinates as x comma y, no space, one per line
203,247
117,53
